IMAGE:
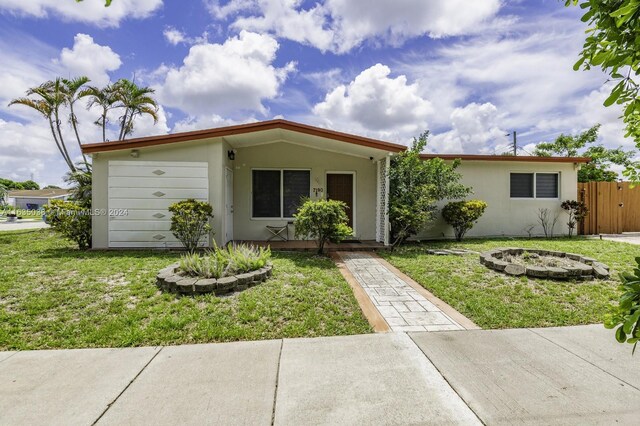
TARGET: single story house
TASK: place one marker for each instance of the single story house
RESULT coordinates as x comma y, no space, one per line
35,199
254,175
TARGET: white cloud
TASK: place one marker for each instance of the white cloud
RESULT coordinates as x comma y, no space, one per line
474,130
207,122
174,36
88,11
376,104
222,78
341,25
90,59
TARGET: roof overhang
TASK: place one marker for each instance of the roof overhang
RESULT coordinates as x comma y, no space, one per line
524,159
261,133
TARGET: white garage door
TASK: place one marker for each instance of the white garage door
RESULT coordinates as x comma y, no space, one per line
140,193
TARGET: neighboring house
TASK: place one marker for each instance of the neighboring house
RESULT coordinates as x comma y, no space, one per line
255,174
36,199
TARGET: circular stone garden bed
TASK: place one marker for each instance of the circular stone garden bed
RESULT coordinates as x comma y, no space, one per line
543,264
176,281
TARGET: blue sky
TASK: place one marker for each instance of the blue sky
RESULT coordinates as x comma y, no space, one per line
468,71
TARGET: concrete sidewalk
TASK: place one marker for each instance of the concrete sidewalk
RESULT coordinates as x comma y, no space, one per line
572,375
22,225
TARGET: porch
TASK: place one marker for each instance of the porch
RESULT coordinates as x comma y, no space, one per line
308,245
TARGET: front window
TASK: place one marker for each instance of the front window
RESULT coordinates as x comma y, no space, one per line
535,185
278,193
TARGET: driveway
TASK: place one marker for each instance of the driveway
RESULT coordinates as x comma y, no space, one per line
15,226
572,375
631,238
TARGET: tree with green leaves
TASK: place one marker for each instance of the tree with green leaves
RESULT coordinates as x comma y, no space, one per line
3,195
107,3
613,44
415,188
602,158
322,220
56,98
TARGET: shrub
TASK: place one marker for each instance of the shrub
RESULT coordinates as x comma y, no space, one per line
322,220
547,221
221,262
577,212
71,220
190,222
627,314
462,215
415,188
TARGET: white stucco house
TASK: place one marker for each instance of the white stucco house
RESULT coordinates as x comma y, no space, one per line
254,175
35,199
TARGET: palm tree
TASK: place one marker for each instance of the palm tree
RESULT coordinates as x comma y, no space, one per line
80,184
48,102
72,91
136,102
106,99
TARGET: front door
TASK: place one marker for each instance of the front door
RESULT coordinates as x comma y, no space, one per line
228,206
340,187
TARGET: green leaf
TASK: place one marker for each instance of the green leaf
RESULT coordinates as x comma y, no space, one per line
620,335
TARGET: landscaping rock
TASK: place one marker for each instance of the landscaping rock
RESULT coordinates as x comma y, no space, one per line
537,271
557,273
244,279
269,269
588,260
600,272
227,283
601,265
500,265
513,269
574,256
206,285
186,285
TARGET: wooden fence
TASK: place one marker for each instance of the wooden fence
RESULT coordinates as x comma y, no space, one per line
614,207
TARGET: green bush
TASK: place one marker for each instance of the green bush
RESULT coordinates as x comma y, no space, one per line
322,220
190,222
577,210
462,215
627,314
222,262
71,220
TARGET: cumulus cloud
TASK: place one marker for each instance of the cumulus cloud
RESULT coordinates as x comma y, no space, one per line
376,103
237,75
90,12
174,36
208,122
474,130
91,59
341,25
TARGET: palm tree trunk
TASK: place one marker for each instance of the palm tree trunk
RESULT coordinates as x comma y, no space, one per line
75,129
62,144
124,124
55,138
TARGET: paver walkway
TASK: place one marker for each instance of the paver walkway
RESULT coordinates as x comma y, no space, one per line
401,306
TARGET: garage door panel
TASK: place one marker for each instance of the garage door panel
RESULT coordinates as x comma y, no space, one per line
140,225
157,172
159,193
140,194
158,183
130,203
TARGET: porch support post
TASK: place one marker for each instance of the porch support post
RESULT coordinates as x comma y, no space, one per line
386,199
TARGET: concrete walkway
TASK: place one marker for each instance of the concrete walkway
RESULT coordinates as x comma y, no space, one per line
404,307
572,375
630,237
20,225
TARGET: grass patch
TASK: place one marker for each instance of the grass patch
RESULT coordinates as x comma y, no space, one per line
53,296
495,300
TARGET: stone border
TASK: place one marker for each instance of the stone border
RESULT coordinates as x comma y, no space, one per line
586,269
169,279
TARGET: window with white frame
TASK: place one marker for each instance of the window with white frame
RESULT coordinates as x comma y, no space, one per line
535,185
277,194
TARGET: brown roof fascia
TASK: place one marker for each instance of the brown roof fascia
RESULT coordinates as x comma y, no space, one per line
238,130
527,158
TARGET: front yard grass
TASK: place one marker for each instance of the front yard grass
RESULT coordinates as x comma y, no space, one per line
54,296
495,300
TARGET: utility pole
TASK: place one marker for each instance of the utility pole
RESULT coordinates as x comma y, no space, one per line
515,144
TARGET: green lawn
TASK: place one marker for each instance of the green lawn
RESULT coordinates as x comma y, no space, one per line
494,300
53,296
